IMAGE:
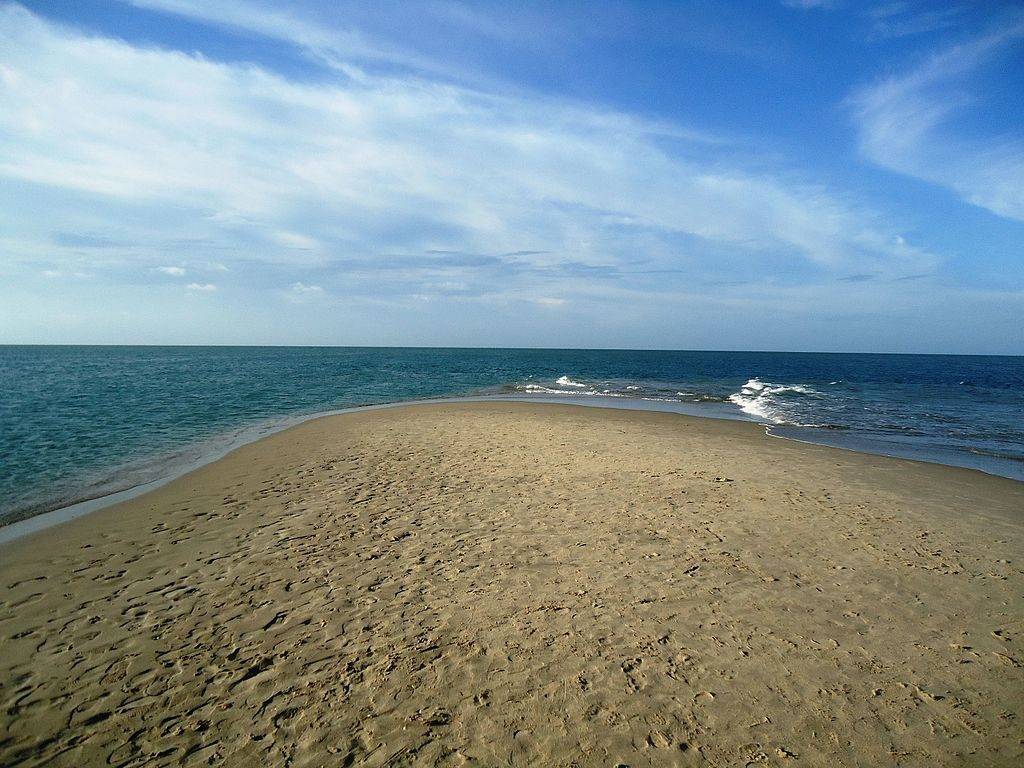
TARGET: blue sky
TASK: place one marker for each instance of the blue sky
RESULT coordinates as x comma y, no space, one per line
802,175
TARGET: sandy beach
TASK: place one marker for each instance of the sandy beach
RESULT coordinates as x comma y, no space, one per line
524,584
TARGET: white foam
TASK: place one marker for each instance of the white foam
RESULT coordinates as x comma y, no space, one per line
759,398
565,381
541,389
566,386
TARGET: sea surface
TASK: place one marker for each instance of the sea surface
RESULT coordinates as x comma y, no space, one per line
79,422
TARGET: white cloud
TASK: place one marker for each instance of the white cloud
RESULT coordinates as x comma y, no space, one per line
301,293
907,124
295,240
205,287
335,46
900,19
56,274
809,4
172,271
374,165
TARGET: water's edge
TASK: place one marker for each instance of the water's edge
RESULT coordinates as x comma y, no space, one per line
44,520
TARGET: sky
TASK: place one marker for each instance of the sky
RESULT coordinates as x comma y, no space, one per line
822,175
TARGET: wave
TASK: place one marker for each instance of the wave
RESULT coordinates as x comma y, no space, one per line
543,390
565,381
769,401
653,391
792,405
997,454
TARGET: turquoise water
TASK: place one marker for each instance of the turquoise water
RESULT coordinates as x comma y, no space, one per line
78,422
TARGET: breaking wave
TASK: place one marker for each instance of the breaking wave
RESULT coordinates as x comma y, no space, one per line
565,381
791,405
783,404
656,391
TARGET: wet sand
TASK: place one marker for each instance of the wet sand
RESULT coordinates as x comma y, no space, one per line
524,584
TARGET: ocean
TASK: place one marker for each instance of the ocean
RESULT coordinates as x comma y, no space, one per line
79,422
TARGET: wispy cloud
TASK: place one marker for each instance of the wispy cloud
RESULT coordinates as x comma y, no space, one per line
56,274
904,19
72,240
301,292
303,173
295,240
398,197
341,47
809,4
908,123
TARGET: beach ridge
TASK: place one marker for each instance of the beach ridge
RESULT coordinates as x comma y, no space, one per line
518,583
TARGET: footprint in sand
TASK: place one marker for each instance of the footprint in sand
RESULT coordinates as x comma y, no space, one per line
635,678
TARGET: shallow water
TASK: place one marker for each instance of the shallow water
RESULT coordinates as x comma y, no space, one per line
79,422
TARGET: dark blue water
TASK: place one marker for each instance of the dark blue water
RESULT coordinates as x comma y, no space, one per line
77,422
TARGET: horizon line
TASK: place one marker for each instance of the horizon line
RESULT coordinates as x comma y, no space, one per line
514,348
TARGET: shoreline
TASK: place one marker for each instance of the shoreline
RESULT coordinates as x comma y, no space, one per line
50,518
524,583
41,521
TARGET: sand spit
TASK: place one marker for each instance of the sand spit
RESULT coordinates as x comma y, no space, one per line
524,584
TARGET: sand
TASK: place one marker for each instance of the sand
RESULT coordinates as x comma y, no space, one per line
524,584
